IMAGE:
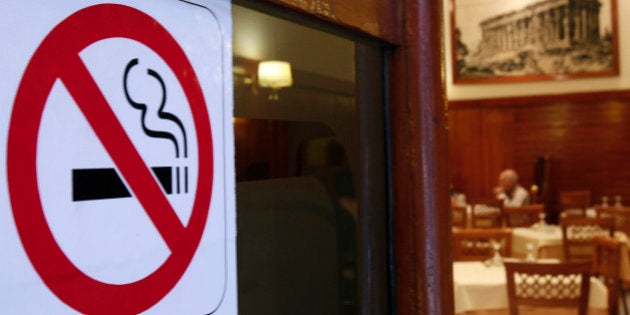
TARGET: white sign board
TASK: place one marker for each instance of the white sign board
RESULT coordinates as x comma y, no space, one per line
116,167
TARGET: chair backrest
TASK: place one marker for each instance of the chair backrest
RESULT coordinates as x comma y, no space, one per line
578,233
620,214
549,285
607,266
487,214
476,244
575,202
524,216
459,216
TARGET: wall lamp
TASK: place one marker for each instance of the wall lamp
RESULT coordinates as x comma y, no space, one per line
275,75
272,74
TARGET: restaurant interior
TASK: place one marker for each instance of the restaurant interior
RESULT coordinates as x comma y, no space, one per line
566,137
300,151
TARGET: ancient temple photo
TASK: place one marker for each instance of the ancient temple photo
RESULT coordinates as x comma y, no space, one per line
533,39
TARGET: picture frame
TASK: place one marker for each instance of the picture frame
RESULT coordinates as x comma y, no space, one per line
494,41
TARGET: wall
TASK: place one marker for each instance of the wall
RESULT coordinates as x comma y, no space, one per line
269,133
480,91
499,125
586,137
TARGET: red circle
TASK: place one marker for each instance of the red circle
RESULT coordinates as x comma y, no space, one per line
63,43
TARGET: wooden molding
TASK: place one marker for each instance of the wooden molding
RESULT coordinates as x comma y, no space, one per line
538,100
376,19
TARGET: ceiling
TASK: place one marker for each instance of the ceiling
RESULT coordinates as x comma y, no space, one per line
260,36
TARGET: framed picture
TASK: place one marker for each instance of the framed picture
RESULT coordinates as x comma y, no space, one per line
528,40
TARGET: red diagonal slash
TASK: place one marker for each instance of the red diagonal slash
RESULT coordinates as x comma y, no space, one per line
107,127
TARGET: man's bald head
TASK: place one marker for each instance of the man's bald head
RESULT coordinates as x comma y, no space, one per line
508,179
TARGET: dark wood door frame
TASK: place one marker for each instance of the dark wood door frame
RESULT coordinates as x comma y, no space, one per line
413,31
420,164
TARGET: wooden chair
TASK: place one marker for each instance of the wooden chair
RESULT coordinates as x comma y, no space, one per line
548,285
459,216
476,244
524,216
607,266
487,214
574,203
620,214
578,233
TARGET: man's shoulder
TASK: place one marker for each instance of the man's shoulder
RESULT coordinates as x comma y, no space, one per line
521,190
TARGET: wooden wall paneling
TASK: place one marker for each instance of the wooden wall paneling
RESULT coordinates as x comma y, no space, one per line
481,146
588,143
465,150
538,132
496,146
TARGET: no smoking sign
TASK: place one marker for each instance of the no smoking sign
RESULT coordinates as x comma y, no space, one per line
116,198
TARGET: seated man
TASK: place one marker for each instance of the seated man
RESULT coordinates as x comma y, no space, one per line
512,194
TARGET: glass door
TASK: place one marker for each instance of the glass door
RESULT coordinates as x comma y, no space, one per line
311,169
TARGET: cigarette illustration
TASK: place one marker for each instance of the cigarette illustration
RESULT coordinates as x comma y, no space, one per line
106,183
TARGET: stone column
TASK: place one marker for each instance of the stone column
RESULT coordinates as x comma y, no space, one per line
526,30
552,26
507,37
510,28
548,27
565,24
585,25
521,32
577,25
542,27
553,23
595,22
503,38
499,38
580,34
539,30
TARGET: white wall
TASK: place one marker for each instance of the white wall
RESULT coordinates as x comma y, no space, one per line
493,90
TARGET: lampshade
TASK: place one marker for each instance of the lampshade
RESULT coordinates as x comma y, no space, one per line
274,74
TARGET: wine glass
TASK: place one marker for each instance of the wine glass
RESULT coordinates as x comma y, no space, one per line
496,259
530,252
541,219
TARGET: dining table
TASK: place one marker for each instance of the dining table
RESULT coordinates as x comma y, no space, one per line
546,243
482,289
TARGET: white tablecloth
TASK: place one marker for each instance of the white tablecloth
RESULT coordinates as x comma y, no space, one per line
547,241
477,287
